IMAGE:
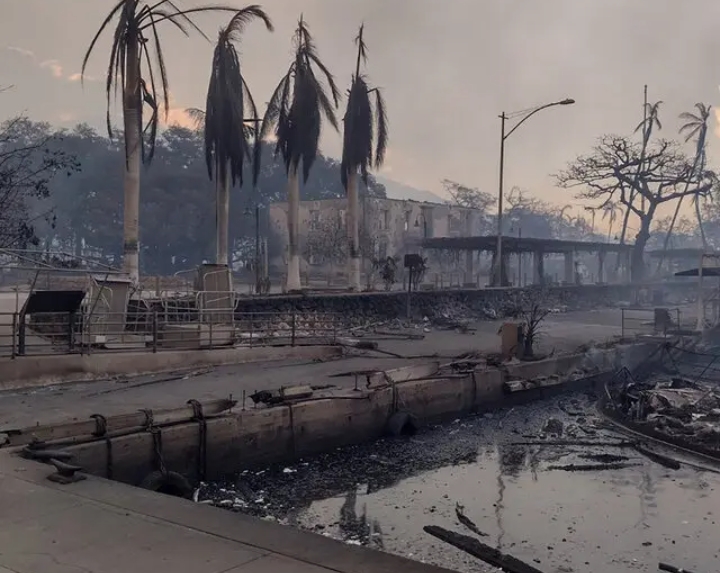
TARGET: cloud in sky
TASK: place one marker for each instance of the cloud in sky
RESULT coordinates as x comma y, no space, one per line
54,66
22,51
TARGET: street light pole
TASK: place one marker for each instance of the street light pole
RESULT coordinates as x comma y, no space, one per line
498,278
498,251
258,278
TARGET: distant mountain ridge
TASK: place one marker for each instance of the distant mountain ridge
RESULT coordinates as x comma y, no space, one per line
403,192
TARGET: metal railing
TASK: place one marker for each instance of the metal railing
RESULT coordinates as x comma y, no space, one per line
56,333
650,321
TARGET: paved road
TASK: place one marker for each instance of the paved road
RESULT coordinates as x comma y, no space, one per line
562,332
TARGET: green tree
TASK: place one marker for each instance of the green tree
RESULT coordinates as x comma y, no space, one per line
365,140
135,71
295,111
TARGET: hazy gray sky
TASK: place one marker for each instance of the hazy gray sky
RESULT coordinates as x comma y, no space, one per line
448,69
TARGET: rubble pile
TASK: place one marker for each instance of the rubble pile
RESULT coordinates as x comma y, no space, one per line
673,407
444,311
440,307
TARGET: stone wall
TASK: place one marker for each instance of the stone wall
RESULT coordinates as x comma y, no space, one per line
491,303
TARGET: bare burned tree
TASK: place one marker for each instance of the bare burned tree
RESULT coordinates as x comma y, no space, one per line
619,171
533,308
470,197
27,167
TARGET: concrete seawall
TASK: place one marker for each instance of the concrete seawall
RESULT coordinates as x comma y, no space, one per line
254,437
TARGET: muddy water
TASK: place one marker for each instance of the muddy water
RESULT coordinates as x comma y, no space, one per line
562,508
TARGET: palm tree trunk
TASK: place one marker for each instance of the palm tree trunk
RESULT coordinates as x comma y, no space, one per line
131,184
353,229
293,271
222,209
700,223
666,241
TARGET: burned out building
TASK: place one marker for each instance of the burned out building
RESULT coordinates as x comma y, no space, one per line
388,228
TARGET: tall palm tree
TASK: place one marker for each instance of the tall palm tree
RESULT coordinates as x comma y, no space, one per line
651,120
136,67
695,126
227,137
610,212
295,112
364,143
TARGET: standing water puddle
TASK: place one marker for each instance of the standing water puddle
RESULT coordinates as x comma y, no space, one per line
563,506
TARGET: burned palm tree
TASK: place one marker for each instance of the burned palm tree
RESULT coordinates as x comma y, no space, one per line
695,127
228,110
364,143
651,120
137,69
295,112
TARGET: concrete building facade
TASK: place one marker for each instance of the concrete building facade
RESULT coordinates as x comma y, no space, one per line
388,228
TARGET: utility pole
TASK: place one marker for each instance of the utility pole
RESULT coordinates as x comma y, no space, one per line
645,105
498,250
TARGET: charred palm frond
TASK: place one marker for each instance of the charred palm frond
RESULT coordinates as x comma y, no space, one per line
228,141
136,32
366,129
298,105
197,116
651,121
696,126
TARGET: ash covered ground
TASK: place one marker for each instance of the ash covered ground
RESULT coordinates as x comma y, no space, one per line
548,483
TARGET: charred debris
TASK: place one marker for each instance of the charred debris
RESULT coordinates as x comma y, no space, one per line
674,398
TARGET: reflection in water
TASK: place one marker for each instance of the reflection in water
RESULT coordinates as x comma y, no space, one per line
499,507
647,496
511,459
510,462
356,527
580,521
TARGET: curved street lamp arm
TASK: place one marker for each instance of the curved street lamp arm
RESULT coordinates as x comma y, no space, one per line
533,112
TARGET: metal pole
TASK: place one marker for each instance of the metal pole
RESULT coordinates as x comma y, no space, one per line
408,311
520,260
257,248
700,301
498,249
645,102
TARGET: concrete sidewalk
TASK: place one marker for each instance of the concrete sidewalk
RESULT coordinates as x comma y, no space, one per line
106,527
